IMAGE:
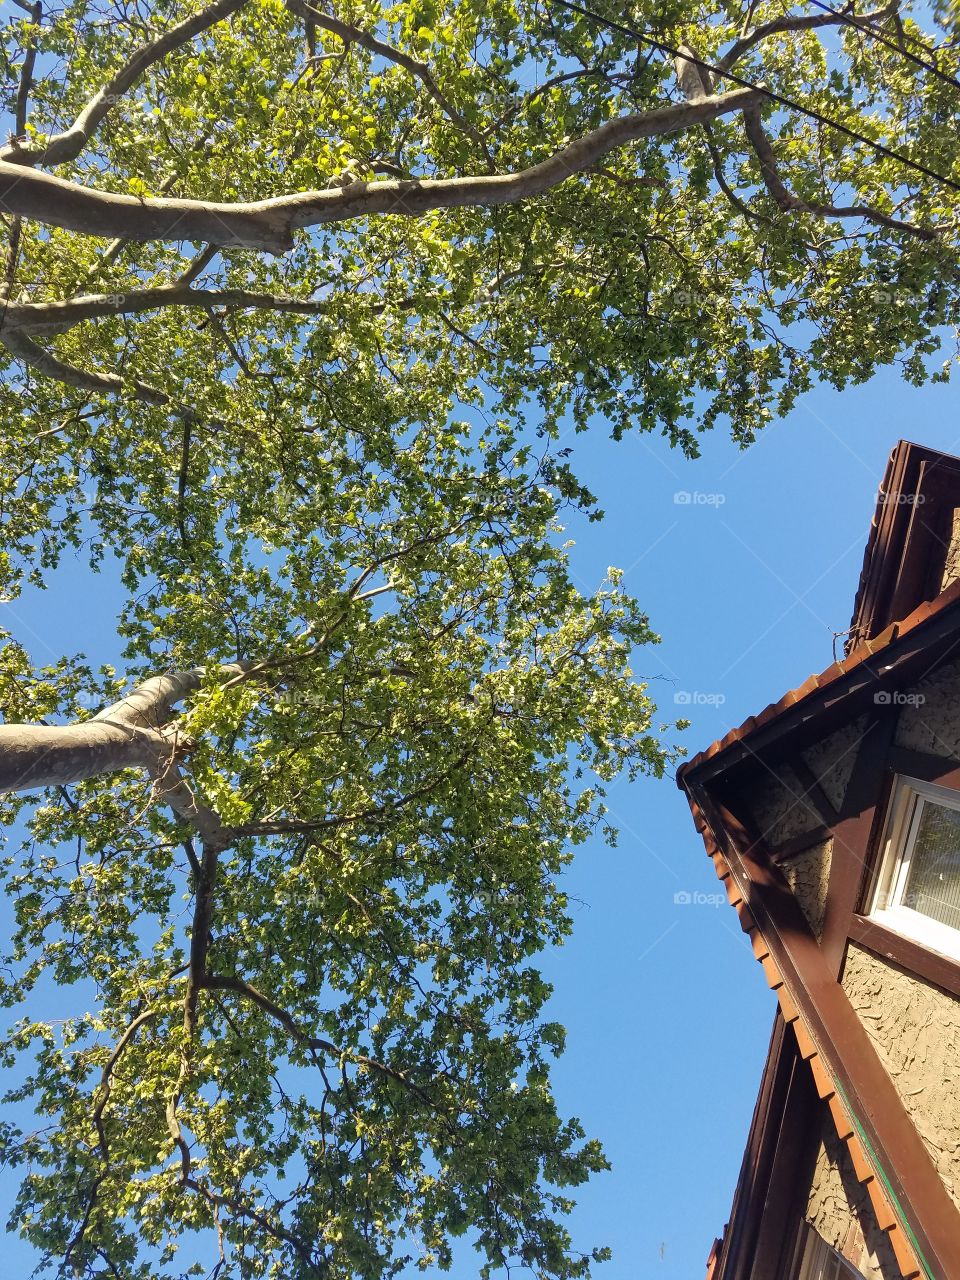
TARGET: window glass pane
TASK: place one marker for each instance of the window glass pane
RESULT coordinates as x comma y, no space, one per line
933,882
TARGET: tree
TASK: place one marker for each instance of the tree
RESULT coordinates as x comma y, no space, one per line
368,818
366,264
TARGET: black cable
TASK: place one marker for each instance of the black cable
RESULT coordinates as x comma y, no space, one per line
860,24
878,147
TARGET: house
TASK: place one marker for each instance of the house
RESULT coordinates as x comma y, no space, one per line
832,819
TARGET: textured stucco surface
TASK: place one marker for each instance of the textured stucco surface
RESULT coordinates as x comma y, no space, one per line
831,760
780,809
934,724
808,875
916,1029
951,570
840,1210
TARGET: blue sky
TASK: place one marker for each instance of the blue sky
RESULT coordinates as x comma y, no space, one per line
747,580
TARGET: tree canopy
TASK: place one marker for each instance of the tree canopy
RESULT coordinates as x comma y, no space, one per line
298,304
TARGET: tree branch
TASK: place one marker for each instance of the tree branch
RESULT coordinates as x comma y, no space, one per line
103,1092
57,317
175,791
269,224
26,73
31,353
796,23
350,34
68,145
196,972
215,982
790,203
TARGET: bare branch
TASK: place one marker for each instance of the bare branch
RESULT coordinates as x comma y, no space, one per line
350,34
103,1093
26,73
269,224
199,262
68,145
717,161
288,1022
790,203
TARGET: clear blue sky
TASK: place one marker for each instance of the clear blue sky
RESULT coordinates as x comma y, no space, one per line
667,1013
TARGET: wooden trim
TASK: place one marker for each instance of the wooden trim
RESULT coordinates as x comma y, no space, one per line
926,767
799,843
763,1216
791,1173
839,1038
813,788
906,953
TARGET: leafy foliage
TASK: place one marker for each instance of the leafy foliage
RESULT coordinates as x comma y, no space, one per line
313,1037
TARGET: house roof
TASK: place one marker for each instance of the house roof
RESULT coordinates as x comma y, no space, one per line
883,644
909,534
897,593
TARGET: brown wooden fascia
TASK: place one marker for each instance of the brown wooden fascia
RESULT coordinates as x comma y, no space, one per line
908,1197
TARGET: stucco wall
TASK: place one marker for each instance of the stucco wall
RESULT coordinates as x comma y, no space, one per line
933,724
780,809
808,875
840,1210
831,760
916,1029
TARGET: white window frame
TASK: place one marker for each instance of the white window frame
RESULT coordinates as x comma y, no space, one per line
818,1261
885,904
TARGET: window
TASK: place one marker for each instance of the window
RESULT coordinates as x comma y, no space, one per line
917,890
817,1261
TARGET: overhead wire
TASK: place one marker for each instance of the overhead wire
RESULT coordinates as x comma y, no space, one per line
782,100
867,28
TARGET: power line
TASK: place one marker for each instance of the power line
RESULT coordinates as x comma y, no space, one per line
770,94
859,24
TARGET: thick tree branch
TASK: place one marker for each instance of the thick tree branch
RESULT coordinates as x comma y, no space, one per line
68,145
790,203
174,789
151,704
57,317
35,755
269,224
36,357
126,735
